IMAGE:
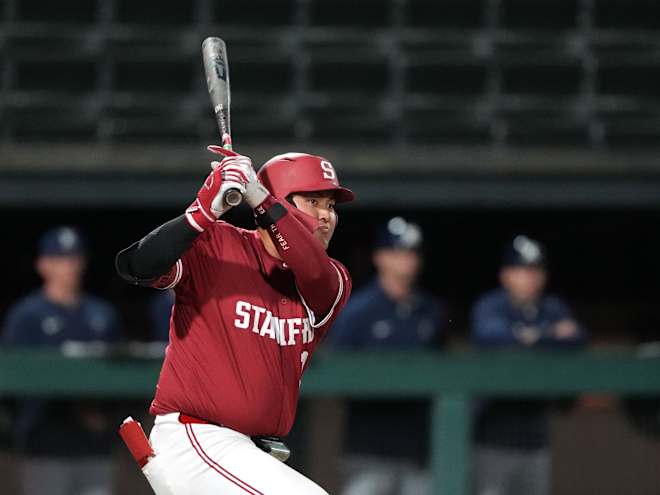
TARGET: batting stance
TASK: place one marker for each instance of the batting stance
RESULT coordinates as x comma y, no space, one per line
251,306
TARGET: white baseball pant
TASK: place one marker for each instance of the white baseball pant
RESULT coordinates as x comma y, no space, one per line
203,459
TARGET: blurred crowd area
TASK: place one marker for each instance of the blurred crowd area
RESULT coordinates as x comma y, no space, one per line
475,72
504,155
512,291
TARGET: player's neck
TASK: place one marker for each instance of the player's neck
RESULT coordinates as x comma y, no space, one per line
521,302
62,295
396,288
268,243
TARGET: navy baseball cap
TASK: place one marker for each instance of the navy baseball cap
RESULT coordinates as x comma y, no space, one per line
61,241
400,234
524,251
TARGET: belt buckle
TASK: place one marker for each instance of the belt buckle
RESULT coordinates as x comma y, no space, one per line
273,446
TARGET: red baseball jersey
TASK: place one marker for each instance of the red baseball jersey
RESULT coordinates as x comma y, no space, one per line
240,334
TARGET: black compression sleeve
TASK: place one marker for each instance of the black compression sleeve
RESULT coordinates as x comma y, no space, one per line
154,255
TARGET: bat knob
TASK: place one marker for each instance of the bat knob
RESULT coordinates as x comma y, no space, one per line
233,197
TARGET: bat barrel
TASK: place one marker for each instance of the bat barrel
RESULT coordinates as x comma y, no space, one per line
216,68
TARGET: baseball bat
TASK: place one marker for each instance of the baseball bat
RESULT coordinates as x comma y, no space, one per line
216,67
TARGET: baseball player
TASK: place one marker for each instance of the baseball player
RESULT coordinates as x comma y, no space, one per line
511,451
250,308
64,443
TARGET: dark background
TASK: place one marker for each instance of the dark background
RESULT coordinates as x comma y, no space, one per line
479,119
604,261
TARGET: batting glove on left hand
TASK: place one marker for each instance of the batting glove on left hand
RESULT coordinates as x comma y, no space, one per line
255,192
210,204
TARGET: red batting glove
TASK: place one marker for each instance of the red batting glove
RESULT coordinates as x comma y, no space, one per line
209,204
255,192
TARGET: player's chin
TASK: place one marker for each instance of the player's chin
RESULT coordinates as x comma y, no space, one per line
323,237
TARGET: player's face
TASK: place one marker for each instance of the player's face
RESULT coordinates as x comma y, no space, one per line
65,271
524,283
320,205
403,264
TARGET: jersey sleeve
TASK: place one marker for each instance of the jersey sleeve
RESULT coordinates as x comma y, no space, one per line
345,286
346,329
319,279
182,272
152,261
172,278
180,275
187,273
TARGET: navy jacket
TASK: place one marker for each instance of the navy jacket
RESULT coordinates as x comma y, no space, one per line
497,323
372,321
53,427
160,311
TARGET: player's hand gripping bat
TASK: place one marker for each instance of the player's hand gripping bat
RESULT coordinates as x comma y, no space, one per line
216,67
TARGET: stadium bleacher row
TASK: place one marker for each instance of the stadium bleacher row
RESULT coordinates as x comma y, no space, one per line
568,72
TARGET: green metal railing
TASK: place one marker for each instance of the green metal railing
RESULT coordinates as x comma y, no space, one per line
449,379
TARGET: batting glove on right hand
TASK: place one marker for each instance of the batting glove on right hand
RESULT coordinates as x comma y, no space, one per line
209,204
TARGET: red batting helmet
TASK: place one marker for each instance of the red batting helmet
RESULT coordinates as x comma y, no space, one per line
299,172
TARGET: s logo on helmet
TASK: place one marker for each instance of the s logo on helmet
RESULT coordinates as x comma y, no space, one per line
328,170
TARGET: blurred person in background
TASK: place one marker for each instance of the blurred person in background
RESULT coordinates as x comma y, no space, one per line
160,311
65,444
511,455
387,440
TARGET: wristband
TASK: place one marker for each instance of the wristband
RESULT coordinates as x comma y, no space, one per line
267,217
